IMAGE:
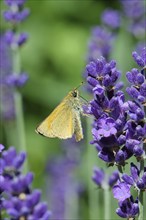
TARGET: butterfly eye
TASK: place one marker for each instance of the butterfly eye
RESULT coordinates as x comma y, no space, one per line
74,93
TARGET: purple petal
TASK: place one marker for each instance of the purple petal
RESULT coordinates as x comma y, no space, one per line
121,191
128,179
134,172
121,213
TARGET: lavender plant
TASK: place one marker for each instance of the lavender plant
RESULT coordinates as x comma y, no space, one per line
7,108
134,12
17,199
13,78
64,189
119,129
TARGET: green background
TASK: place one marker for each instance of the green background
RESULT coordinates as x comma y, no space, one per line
54,58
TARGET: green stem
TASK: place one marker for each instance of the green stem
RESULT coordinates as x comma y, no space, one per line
107,203
93,193
140,195
71,204
20,132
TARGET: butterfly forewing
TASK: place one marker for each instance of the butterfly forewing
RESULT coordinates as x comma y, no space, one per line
59,123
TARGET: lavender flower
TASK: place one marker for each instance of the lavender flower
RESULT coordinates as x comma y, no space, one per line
114,133
111,18
133,9
64,187
62,184
121,191
113,178
106,107
101,41
17,198
134,179
99,44
100,178
14,40
135,13
128,208
102,38
119,128
16,13
16,80
10,41
137,78
140,59
7,109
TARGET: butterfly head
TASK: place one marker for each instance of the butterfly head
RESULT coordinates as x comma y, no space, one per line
75,93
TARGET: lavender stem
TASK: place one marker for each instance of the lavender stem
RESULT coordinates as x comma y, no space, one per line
94,213
20,132
140,194
107,203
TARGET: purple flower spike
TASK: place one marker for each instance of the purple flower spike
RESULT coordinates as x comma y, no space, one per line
133,9
17,199
135,14
100,43
98,176
121,191
111,18
6,98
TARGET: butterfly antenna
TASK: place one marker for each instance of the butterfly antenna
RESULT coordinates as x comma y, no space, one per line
84,99
79,85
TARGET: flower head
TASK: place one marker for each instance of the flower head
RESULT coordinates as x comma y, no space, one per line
17,198
6,99
119,127
128,208
99,44
135,14
111,18
15,13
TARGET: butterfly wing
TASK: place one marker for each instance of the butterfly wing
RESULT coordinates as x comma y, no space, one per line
59,123
78,132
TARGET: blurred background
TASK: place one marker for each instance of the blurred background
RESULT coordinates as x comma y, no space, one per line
55,57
